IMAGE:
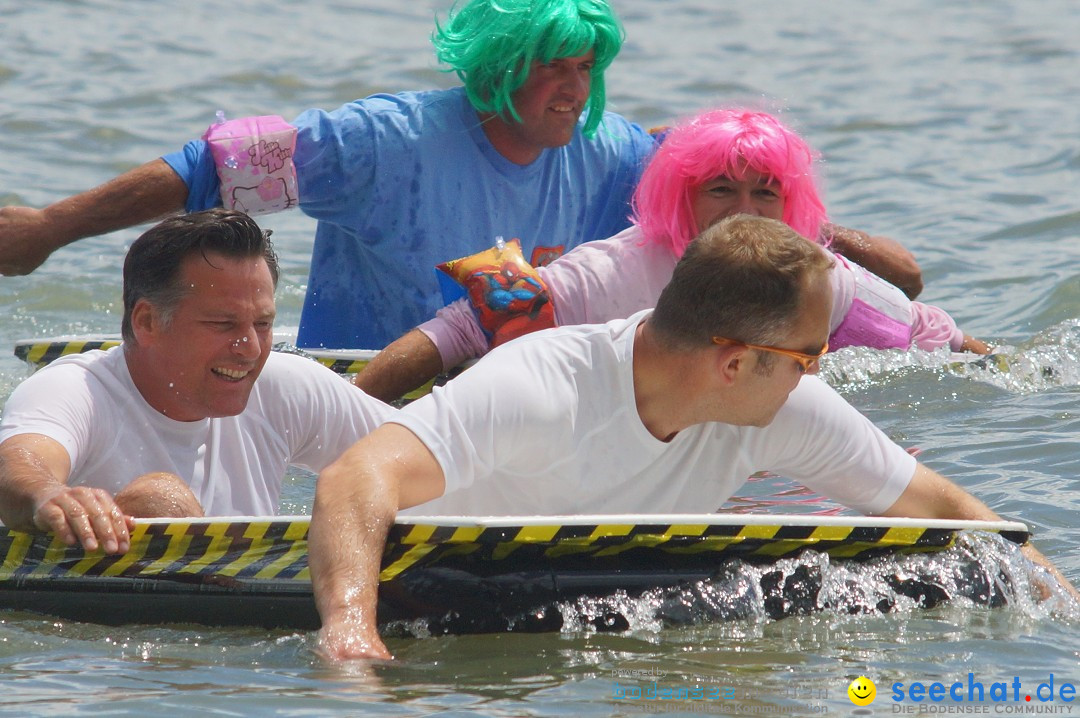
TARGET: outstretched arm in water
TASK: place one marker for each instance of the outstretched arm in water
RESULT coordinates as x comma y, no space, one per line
356,500
930,495
28,236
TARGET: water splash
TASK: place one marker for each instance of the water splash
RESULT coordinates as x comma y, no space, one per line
1049,360
980,570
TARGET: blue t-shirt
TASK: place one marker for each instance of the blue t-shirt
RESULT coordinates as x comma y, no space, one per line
400,183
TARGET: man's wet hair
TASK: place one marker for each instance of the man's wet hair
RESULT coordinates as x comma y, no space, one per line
741,278
152,266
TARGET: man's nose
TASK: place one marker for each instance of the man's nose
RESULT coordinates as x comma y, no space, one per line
746,205
247,344
577,82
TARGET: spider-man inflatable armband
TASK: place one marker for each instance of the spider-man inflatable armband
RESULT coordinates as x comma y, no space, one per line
507,294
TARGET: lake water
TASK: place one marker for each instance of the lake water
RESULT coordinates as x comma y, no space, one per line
949,125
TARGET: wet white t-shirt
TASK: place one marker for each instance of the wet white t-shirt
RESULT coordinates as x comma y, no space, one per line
547,424
299,412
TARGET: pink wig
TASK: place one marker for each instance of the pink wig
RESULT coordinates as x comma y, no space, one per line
725,142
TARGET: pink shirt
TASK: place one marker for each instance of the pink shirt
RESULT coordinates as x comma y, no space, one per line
616,277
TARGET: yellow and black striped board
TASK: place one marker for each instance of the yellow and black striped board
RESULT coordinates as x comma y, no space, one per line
39,352
254,571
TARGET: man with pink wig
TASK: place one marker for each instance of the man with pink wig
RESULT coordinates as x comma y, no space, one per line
720,163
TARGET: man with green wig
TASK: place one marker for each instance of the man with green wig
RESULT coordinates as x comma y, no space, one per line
399,183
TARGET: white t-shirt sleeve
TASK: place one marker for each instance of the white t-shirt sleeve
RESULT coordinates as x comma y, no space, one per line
820,440
474,431
55,402
325,414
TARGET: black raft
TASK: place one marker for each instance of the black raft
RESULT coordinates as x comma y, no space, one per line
475,575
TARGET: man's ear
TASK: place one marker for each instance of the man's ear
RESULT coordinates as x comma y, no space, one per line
145,320
730,361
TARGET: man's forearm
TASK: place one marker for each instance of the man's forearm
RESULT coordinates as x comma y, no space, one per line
930,495
28,236
1036,556
34,495
25,483
141,195
404,365
354,509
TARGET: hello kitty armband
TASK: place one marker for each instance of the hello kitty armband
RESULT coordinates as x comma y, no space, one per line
254,160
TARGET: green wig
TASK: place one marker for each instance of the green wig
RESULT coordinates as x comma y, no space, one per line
491,45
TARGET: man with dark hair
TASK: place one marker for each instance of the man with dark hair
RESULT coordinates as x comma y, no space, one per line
193,414
400,183
665,412
153,263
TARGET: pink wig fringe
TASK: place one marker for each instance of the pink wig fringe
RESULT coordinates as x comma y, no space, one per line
725,142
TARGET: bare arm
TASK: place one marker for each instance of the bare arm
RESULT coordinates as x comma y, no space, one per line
931,495
405,364
356,500
159,494
883,256
34,495
28,236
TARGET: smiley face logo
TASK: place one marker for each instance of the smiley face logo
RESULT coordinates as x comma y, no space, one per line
862,691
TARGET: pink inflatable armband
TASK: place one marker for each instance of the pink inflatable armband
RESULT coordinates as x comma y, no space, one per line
254,159
867,326
879,317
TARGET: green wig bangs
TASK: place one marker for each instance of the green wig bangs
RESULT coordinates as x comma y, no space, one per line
491,45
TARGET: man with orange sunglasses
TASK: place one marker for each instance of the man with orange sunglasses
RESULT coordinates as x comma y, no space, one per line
665,412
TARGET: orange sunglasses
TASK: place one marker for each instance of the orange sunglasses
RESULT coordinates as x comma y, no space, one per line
805,360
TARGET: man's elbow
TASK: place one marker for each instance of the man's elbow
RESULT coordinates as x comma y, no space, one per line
334,486
903,269
909,279
357,483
